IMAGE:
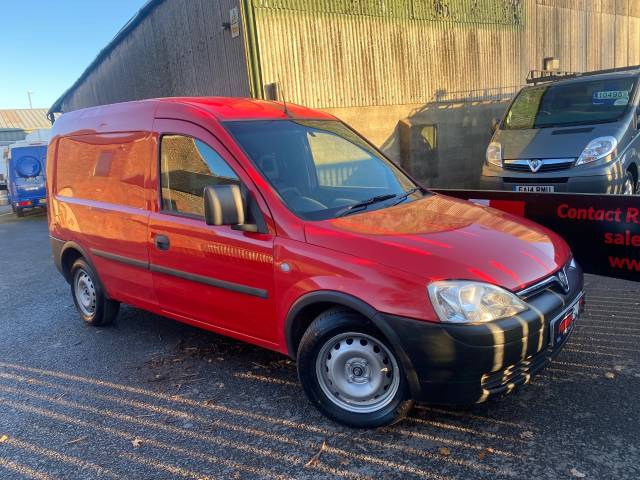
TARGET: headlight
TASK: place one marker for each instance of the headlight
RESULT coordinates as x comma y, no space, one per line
460,301
598,149
494,154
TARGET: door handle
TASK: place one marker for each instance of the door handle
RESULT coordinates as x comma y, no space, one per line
161,242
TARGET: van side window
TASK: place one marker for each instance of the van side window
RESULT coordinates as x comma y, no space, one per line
187,165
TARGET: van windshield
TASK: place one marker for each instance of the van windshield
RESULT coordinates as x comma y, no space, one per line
320,168
575,103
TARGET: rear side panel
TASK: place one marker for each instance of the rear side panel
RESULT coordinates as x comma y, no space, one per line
99,201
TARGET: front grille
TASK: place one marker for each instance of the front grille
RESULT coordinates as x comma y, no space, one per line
547,165
549,282
554,282
537,181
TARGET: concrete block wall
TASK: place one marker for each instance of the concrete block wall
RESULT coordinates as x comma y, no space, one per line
463,131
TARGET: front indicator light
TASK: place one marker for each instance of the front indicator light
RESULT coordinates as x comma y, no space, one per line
462,301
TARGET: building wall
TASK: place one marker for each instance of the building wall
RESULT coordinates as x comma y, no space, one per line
452,64
463,131
179,48
445,66
337,53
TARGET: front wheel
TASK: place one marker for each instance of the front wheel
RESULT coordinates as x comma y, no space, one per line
88,295
350,372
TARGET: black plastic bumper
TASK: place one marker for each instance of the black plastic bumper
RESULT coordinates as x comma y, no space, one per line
463,364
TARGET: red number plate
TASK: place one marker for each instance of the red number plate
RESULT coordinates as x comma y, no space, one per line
562,327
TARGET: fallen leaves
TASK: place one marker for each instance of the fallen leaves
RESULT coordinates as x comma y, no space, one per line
313,460
526,435
71,442
4,438
482,454
610,375
444,451
136,442
577,474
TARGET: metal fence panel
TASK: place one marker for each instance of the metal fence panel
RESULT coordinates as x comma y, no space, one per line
338,53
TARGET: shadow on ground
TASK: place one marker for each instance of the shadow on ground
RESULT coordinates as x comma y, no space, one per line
151,398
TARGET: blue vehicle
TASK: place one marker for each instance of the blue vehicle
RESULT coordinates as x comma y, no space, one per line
26,177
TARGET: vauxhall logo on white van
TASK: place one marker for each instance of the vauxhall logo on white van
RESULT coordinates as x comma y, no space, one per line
534,164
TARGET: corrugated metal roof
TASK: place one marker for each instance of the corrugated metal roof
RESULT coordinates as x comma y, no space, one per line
24,119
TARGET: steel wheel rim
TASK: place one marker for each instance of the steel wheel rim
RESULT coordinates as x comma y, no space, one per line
361,375
85,292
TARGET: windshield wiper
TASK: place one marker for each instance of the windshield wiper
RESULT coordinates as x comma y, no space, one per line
364,204
406,194
573,124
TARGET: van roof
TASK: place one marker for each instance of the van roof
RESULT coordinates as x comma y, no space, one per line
26,143
232,108
139,115
578,78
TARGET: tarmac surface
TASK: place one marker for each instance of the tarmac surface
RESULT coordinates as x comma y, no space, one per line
150,398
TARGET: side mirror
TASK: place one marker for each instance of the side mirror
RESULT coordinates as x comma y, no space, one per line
224,205
495,123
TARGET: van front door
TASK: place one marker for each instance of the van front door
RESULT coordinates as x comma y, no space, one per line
210,276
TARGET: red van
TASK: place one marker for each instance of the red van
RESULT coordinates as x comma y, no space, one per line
281,226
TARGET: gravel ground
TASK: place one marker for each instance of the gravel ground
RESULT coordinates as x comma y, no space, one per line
151,398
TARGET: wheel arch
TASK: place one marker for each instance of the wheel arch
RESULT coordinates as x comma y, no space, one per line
309,306
69,252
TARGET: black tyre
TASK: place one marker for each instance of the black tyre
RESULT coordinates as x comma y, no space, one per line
19,212
88,295
351,373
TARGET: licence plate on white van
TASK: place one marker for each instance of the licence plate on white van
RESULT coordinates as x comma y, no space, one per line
534,188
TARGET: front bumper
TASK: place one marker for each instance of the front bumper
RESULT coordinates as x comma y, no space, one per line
598,180
463,364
